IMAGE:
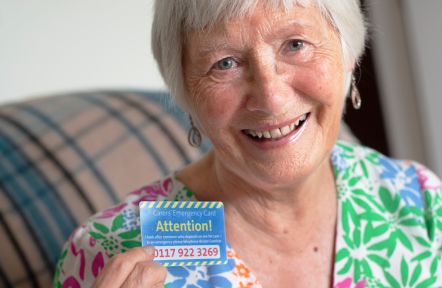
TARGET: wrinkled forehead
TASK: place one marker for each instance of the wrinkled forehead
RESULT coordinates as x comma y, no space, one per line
260,23
204,15
266,25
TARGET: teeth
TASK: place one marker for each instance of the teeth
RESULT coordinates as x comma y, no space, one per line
277,132
266,134
285,130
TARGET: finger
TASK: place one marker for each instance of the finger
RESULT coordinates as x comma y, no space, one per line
120,266
146,274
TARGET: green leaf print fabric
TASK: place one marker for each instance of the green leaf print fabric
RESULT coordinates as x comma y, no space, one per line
389,229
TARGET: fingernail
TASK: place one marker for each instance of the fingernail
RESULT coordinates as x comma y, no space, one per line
150,250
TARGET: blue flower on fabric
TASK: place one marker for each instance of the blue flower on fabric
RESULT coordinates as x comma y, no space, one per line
338,161
404,179
200,276
131,220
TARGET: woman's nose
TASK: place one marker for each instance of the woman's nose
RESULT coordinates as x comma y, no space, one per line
270,90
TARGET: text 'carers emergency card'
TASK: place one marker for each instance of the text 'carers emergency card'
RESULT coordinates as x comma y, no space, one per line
184,233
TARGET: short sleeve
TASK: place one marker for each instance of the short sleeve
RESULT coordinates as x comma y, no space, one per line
107,233
431,189
81,260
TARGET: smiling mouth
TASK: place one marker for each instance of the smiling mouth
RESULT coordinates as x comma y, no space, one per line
276,133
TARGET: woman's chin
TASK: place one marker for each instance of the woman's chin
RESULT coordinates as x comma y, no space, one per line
282,173
282,162
293,167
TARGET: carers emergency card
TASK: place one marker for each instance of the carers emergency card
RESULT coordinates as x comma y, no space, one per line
184,233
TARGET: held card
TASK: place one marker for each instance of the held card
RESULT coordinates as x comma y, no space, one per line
184,233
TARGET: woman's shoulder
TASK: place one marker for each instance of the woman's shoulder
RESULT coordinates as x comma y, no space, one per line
354,160
118,228
112,231
124,216
369,164
372,185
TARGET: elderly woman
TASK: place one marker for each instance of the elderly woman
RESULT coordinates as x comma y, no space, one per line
266,82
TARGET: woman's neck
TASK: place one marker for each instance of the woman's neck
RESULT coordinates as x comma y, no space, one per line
281,213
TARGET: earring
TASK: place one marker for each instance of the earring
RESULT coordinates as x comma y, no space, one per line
194,136
355,96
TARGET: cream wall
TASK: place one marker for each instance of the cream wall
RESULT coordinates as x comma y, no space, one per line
424,31
407,45
48,46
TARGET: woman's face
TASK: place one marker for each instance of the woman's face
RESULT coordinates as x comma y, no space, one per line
268,91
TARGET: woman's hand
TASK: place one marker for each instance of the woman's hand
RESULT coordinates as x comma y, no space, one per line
134,268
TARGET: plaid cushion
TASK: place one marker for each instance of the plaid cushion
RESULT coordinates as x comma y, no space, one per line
65,158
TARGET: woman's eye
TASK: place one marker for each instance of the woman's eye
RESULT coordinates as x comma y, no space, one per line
295,45
226,63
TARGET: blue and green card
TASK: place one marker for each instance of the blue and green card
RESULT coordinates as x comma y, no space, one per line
184,233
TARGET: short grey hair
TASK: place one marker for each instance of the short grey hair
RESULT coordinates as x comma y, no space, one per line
174,19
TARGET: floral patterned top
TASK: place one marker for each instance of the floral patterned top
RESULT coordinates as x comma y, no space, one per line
389,229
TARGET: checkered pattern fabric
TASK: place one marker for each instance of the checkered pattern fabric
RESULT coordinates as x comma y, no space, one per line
64,158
